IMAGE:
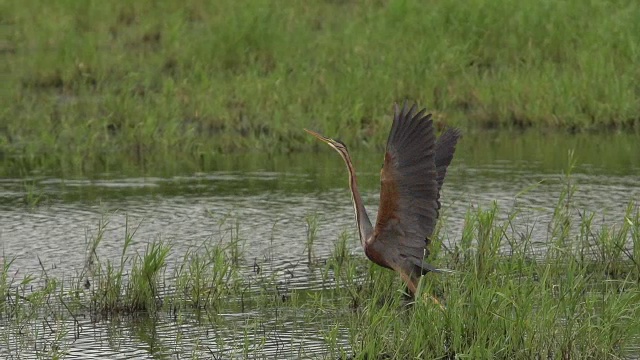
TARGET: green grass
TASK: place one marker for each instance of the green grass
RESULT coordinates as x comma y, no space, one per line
94,84
578,298
560,306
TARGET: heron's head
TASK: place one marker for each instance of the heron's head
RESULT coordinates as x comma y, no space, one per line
337,145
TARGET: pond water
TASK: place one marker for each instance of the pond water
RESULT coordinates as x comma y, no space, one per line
266,199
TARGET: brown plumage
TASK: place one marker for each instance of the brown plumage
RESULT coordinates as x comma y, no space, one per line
415,165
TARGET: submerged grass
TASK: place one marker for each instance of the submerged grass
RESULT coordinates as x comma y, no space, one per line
96,84
577,295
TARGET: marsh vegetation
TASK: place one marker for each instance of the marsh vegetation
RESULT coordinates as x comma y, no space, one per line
96,86
158,197
564,286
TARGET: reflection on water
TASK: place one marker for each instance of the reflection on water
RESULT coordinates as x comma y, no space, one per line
267,204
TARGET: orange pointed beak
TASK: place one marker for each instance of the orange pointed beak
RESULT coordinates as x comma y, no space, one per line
320,137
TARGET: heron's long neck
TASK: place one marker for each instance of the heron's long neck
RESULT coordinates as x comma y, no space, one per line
365,229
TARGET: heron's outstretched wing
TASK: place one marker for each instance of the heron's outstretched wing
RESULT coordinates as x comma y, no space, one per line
445,147
409,191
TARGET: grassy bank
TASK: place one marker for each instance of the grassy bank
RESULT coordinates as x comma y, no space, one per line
575,294
86,83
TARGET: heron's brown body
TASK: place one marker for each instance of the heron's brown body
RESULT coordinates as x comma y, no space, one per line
376,256
415,165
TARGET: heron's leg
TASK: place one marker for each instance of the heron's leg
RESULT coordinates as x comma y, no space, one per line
412,282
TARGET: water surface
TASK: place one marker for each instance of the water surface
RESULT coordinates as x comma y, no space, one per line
266,199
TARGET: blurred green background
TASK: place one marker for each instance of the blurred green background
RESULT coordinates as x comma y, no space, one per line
93,85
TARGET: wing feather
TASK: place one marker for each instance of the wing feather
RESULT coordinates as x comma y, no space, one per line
409,189
445,147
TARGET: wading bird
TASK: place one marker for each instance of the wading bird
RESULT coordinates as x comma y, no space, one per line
415,165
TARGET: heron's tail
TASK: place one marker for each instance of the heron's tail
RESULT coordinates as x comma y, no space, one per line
444,271
425,267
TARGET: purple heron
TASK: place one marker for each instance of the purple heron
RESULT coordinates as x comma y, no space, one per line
415,165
